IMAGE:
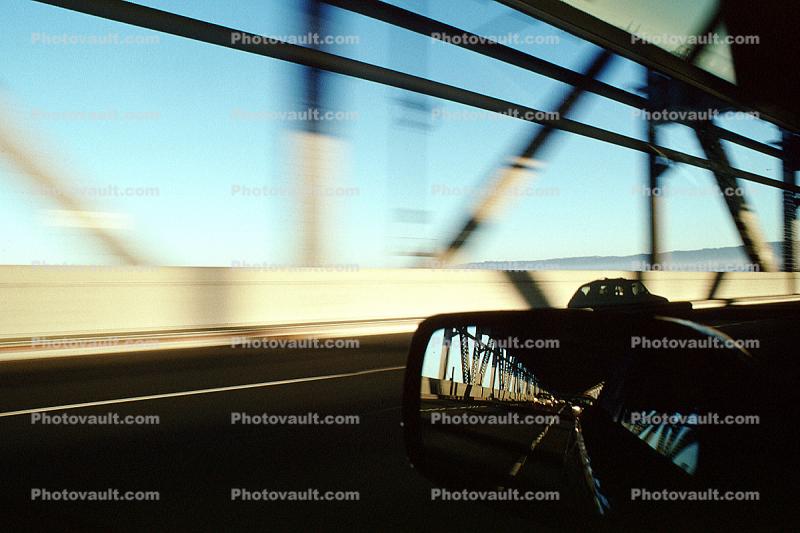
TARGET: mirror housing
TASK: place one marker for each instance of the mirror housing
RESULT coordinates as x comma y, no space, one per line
479,388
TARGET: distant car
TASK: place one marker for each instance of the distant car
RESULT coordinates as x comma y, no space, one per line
545,398
614,292
579,403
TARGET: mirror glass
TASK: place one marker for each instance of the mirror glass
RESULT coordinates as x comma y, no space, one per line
491,401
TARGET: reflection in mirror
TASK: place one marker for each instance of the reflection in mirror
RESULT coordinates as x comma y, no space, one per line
594,406
484,409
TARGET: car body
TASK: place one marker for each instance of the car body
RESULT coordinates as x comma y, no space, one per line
613,292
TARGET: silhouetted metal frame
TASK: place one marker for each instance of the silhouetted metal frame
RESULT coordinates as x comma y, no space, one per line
422,25
586,81
573,20
166,22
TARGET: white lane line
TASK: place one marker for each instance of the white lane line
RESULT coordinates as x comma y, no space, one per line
521,461
199,391
450,408
517,466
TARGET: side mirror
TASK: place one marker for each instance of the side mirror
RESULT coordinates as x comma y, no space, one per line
541,403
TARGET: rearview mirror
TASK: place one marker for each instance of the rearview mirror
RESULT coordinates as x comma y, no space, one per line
544,403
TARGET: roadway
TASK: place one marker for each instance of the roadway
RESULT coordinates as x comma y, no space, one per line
195,456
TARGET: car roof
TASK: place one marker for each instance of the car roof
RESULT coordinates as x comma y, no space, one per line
606,280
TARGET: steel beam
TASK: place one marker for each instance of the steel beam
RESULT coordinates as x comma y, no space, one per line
519,166
791,164
493,369
486,355
447,340
311,177
653,200
464,344
580,23
655,167
182,26
746,221
477,353
40,175
408,20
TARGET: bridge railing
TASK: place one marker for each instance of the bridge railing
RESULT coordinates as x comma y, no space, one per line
46,301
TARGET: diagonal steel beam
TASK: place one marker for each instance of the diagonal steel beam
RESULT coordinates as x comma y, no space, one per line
477,353
40,175
517,169
745,219
486,355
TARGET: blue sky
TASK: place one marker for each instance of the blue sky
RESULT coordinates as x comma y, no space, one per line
174,128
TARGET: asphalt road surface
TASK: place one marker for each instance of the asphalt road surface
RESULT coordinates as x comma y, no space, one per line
194,457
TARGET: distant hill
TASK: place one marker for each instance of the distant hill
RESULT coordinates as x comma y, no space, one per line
728,259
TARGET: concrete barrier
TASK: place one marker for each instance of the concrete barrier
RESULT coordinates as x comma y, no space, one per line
51,300
445,389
